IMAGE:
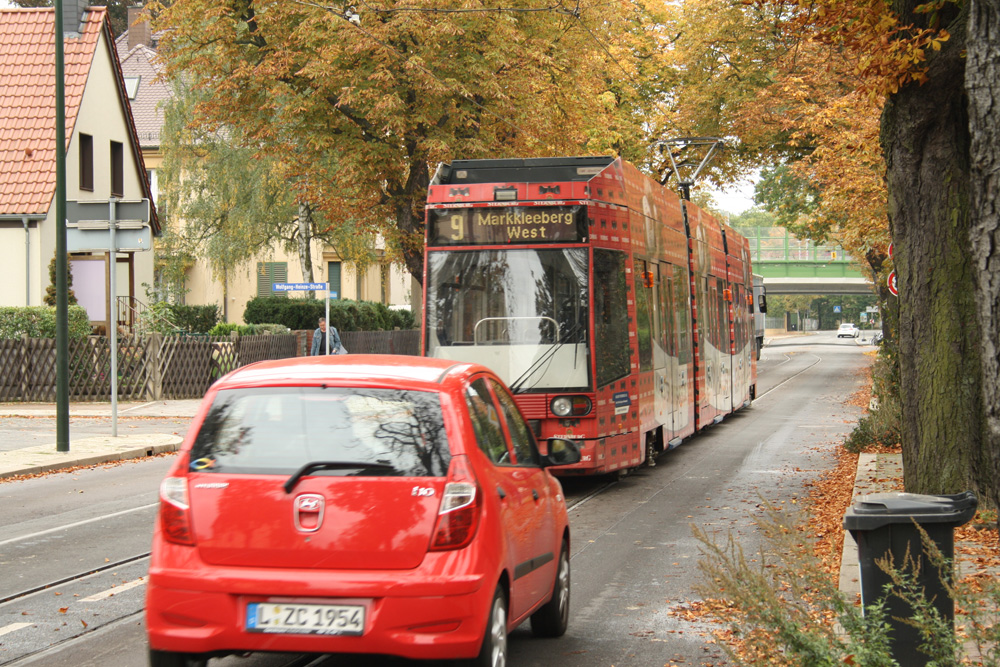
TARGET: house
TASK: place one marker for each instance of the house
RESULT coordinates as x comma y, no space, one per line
103,159
382,282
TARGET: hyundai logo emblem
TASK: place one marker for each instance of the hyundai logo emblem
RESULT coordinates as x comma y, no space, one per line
308,512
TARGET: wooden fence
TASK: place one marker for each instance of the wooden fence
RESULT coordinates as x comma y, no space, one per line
159,367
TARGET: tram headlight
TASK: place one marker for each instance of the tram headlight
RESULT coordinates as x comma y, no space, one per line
570,406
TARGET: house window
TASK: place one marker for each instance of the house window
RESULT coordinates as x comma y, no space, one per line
333,277
117,169
269,273
86,162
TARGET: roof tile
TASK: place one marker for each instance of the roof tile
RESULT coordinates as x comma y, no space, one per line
27,87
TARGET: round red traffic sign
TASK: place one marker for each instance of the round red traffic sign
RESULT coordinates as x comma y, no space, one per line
890,249
892,284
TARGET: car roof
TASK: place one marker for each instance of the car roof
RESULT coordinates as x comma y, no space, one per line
350,369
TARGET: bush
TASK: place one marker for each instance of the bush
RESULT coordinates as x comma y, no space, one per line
223,329
781,607
882,426
40,322
345,315
194,319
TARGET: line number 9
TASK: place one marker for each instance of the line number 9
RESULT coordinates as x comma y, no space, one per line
457,229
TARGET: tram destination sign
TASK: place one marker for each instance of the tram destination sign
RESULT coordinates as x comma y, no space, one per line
507,224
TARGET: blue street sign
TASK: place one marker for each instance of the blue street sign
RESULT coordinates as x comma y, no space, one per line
334,295
836,309
299,287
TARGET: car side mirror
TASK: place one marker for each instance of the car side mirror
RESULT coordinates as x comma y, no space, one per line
763,304
561,452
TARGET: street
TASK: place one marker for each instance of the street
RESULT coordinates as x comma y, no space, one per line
74,546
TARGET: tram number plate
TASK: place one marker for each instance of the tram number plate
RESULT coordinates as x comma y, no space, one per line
307,619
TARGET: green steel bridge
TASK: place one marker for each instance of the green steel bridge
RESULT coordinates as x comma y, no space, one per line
792,266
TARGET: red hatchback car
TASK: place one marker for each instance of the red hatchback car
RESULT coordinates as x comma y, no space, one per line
358,504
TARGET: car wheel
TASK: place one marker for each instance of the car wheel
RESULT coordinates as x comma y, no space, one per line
553,618
171,659
494,649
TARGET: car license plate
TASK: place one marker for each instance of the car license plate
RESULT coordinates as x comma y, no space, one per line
308,619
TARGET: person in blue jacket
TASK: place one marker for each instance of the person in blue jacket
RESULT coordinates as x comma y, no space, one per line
319,339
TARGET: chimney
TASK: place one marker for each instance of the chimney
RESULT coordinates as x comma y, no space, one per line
138,30
72,15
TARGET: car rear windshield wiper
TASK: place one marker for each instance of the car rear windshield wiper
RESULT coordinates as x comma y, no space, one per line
332,465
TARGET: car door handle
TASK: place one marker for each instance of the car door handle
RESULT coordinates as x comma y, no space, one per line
501,493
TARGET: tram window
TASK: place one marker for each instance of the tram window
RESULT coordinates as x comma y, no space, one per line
611,344
644,333
682,314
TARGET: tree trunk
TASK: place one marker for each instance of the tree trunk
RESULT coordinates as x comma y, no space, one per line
925,138
408,203
304,240
982,83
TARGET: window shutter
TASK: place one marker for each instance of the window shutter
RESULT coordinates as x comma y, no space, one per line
269,273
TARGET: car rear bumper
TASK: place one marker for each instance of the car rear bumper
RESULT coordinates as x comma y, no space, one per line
419,617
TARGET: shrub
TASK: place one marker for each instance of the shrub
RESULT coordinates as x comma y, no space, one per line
345,314
194,319
40,322
784,609
882,426
223,329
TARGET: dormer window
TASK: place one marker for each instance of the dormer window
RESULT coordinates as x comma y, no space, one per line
132,86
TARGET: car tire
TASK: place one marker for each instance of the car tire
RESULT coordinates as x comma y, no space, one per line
171,659
552,619
493,652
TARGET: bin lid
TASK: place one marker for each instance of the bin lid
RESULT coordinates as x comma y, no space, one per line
881,509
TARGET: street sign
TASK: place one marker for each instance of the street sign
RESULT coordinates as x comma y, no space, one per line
836,309
97,239
890,249
299,287
892,284
93,211
871,309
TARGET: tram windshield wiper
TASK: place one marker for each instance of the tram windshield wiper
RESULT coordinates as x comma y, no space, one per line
516,385
332,465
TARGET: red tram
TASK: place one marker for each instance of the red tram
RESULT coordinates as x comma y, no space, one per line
619,314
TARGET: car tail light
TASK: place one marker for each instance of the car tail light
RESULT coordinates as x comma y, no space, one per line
175,511
458,516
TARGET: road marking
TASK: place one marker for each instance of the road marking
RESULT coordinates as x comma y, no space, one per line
104,595
78,523
7,629
138,407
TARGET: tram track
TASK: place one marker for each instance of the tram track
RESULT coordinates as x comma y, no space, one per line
75,577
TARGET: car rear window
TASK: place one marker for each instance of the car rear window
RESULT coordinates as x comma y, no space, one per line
277,430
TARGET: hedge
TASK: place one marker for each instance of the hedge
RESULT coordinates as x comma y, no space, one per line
345,315
40,322
194,319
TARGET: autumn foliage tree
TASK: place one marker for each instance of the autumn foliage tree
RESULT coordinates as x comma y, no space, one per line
862,108
360,104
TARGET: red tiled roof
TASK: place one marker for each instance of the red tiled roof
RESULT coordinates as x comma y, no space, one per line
27,102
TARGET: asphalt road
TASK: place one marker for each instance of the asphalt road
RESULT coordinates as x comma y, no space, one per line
634,556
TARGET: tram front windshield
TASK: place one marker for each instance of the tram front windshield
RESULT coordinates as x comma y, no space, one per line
521,313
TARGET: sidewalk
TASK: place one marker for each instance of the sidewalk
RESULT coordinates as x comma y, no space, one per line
883,473
91,450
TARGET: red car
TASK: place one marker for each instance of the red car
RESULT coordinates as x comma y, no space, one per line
358,504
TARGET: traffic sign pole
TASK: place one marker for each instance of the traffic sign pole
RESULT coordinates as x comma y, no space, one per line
113,310
62,268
